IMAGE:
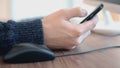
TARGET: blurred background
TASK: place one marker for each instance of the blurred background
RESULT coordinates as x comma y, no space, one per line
23,9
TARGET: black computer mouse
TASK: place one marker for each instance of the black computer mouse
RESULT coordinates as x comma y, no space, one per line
27,53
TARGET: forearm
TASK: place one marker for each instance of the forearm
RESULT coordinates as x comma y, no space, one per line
12,33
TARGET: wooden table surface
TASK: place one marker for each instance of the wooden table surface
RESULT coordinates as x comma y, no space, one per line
100,59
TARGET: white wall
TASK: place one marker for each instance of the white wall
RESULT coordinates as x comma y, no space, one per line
34,8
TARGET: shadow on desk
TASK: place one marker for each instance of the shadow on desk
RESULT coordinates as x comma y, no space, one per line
100,59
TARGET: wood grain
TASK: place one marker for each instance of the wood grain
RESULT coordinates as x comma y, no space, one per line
101,59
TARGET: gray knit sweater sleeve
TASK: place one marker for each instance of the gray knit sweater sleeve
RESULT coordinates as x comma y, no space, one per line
12,33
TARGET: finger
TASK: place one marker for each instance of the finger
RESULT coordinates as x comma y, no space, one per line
83,36
75,12
89,25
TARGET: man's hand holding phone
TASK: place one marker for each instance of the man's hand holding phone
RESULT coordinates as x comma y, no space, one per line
60,33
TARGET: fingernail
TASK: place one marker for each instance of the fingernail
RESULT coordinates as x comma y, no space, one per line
83,12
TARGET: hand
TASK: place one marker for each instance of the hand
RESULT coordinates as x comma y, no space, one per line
59,32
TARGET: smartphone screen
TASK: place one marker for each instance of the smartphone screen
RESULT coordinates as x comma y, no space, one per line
91,15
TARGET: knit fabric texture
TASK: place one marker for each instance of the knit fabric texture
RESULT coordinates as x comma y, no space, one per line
12,33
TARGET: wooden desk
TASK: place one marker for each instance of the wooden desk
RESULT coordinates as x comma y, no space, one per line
101,59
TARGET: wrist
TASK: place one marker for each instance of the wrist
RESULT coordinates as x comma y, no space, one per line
29,32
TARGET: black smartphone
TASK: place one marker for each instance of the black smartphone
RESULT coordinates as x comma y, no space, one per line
89,17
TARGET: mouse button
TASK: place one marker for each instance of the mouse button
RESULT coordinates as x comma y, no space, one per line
25,45
30,45
30,55
43,46
16,51
47,52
